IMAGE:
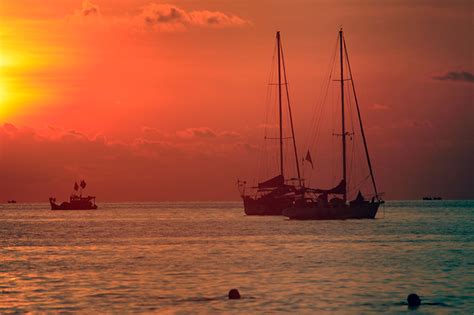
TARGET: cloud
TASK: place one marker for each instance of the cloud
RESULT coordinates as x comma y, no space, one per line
230,135
206,133
192,133
88,13
89,9
154,133
164,13
38,163
157,17
215,18
457,76
171,17
10,129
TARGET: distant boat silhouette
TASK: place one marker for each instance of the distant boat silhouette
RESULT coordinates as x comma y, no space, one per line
313,204
76,202
11,201
273,195
432,198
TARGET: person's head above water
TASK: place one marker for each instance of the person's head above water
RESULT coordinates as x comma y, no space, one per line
234,294
413,300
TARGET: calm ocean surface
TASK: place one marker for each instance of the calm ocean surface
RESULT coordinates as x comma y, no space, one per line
184,257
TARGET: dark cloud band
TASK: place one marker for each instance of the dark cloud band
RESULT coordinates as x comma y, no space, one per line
460,76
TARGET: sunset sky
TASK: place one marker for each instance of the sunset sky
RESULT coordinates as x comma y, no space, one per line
165,100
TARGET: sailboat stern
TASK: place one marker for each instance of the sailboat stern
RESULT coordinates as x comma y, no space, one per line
366,210
265,206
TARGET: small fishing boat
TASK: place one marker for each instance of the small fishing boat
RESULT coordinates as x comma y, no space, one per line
332,204
11,201
76,200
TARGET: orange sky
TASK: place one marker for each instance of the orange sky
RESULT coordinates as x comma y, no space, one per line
164,100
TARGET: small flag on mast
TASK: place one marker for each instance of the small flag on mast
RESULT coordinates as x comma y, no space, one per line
309,159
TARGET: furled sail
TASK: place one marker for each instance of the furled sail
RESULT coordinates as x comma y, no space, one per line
276,181
339,189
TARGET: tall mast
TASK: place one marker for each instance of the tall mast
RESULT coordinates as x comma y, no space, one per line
279,102
291,116
343,134
360,123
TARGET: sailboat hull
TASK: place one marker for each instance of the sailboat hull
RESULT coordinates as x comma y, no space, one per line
82,204
266,206
343,212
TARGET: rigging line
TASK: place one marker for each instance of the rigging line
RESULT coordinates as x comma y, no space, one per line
262,171
352,162
273,156
350,114
360,122
337,99
359,184
270,89
319,123
324,87
284,138
297,161
318,118
349,101
319,102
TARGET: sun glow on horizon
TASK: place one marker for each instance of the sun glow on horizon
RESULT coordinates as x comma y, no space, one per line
23,65
14,94
5,96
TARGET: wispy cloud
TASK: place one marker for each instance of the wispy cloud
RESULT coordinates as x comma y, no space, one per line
171,17
192,133
87,9
88,14
157,17
457,76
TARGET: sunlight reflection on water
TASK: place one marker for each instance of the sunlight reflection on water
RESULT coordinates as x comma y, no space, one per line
172,257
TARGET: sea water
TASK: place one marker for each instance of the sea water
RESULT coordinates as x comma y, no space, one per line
185,257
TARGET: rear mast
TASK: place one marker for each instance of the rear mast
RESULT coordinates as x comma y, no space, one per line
344,172
279,101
